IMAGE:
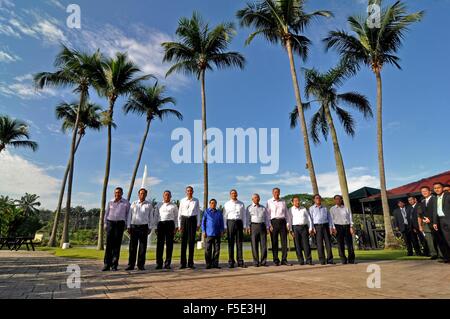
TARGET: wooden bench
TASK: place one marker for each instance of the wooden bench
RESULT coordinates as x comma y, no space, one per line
17,242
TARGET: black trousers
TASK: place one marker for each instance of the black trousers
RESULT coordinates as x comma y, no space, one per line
444,237
416,241
235,234
323,237
259,239
166,233
422,243
279,229
188,238
407,238
344,238
212,251
138,237
301,239
114,236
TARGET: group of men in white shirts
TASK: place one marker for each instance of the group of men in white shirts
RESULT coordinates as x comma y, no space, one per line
274,219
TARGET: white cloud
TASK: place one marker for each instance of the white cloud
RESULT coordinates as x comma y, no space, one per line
142,44
57,4
25,77
24,89
19,176
8,57
243,179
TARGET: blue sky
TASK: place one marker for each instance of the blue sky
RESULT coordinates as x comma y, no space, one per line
415,99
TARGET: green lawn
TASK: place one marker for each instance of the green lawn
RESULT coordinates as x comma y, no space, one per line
90,253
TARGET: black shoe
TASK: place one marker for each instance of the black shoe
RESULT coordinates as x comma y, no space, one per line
191,267
344,262
141,268
231,266
277,263
301,263
208,267
310,263
433,257
352,262
217,267
410,254
129,268
114,268
256,265
323,263
106,268
285,263
242,266
183,267
167,267
444,261
264,265
331,263
159,267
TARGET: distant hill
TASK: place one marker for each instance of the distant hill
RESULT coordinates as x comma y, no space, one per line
307,200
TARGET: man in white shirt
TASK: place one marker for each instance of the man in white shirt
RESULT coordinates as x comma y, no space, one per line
140,223
235,221
258,218
189,221
343,222
302,227
167,226
278,212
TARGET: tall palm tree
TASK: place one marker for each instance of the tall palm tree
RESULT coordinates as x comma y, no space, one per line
284,22
15,133
29,204
119,77
79,71
323,88
148,101
201,48
90,118
375,47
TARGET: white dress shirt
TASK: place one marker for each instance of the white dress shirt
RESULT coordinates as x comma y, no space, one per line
141,213
167,212
341,215
234,210
277,209
299,216
257,214
189,208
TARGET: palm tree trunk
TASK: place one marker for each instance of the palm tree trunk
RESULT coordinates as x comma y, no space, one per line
301,116
340,167
138,162
52,239
205,143
101,229
390,242
65,234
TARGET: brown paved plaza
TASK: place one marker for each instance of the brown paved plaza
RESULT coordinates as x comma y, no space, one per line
39,275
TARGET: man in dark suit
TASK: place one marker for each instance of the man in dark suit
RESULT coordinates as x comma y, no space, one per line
418,240
403,224
427,220
442,215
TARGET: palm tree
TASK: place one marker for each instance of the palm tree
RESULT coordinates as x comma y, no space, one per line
284,21
28,204
148,101
202,48
118,78
375,47
90,118
323,87
15,133
79,71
